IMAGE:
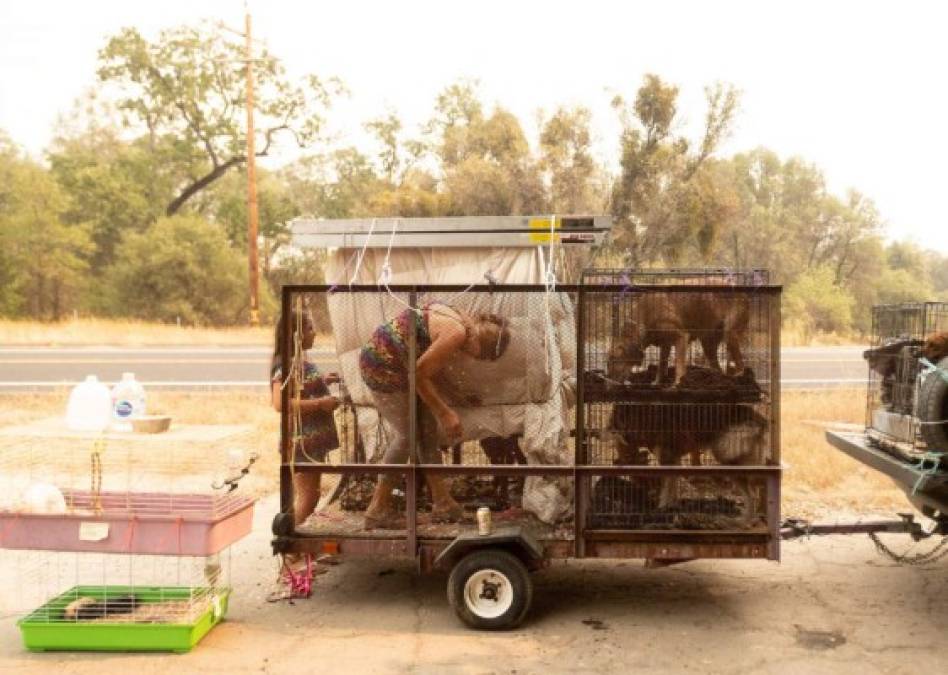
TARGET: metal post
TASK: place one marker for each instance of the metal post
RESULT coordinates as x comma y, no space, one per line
251,189
286,477
411,478
579,454
773,484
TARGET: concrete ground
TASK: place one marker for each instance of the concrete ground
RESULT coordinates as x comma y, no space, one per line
832,606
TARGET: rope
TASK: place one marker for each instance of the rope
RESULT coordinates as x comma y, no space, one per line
932,458
550,274
297,371
345,269
386,276
365,245
930,367
298,584
96,489
130,535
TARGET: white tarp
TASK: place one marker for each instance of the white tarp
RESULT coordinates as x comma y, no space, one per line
528,391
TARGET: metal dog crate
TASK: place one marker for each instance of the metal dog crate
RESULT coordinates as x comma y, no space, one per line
589,466
898,334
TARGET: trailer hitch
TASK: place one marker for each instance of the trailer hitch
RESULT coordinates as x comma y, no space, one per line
793,528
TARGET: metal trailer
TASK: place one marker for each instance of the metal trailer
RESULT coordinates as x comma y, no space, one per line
616,493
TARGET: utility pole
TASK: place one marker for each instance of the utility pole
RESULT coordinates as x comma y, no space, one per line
252,215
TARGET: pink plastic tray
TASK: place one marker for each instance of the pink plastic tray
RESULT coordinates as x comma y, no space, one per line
142,523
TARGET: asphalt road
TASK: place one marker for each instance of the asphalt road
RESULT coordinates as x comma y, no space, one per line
198,367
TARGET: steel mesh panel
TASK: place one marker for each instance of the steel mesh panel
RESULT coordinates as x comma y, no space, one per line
898,334
680,371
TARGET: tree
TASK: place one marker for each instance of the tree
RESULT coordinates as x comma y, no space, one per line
179,268
185,90
656,206
938,264
486,162
341,184
42,259
386,130
113,186
817,303
574,179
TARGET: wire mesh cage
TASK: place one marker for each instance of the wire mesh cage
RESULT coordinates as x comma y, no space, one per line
107,494
906,411
93,601
683,371
689,443
697,276
508,376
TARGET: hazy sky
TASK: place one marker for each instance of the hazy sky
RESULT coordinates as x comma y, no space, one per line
858,88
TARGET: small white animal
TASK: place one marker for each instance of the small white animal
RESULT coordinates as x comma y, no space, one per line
43,498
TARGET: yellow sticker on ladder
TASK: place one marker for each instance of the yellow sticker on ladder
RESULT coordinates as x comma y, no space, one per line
542,227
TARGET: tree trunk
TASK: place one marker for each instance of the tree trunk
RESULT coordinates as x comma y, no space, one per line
57,299
202,183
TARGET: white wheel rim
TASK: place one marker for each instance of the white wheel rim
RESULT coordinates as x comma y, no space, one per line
488,593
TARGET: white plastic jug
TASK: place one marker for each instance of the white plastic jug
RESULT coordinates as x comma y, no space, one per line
89,407
128,402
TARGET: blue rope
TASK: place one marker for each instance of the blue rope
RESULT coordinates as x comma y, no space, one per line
934,458
931,367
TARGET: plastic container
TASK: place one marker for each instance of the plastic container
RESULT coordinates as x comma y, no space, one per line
132,522
128,402
42,632
89,407
151,424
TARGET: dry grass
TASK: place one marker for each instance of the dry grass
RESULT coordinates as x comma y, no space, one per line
128,333
792,335
819,479
250,407
81,332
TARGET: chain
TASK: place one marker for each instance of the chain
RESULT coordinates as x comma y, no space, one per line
928,558
96,488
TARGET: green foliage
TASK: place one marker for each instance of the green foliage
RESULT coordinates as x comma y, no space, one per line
87,233
817,303
42,259
666,198
186,90
576,183
113,186
341,184
226,203
180,267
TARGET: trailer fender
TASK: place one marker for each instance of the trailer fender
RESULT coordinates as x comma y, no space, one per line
514,539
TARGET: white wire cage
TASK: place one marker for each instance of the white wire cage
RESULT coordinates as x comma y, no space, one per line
66,587
113,495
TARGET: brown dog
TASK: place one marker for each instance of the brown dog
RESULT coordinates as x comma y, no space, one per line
936,347
667,320
735,435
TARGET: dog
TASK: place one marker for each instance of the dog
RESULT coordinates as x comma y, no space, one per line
735,435
667,320
936,347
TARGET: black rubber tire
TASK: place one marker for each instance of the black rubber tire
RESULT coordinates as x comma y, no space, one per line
933,407
282,524
506,564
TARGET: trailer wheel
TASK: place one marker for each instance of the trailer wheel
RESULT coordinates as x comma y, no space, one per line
490,589
933,408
